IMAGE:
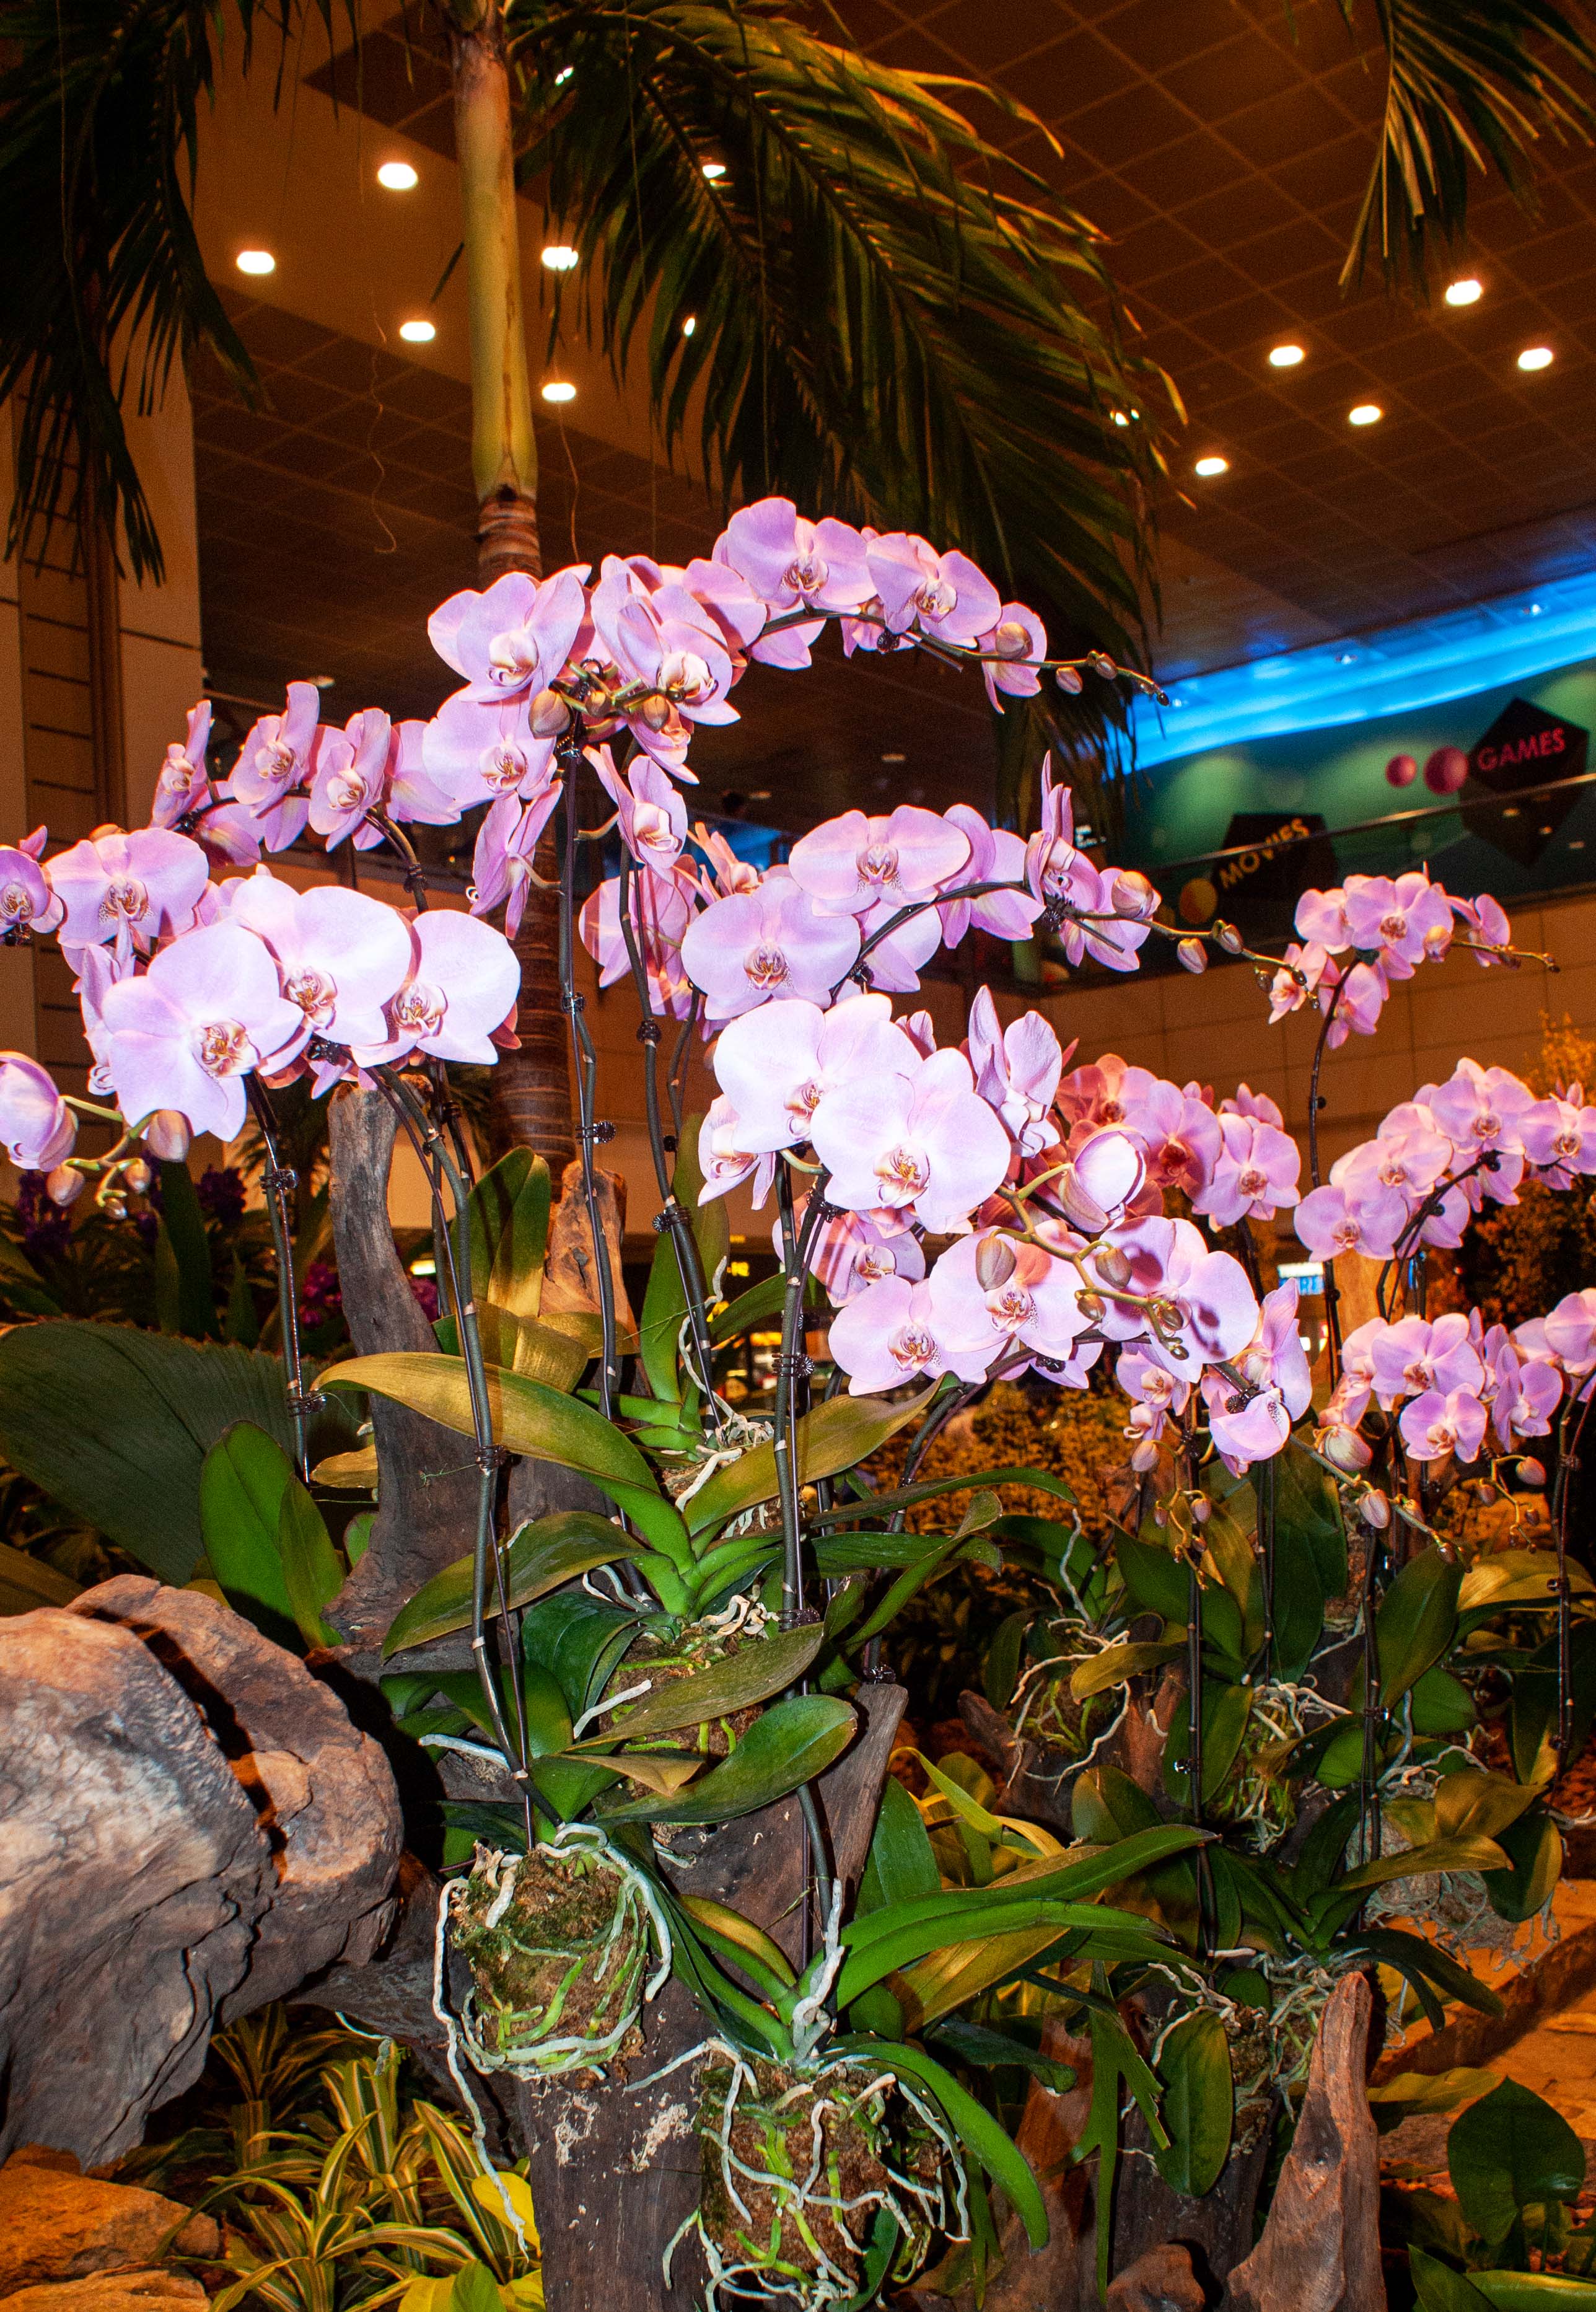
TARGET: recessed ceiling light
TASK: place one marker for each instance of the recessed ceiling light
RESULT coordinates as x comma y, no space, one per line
894,758
1464,292
256,260
557,389
559,257
322,681
417,333
1367,412
1208,467
1536,357
1347,658
714,171
759,794
1534,610
564,74
689,325
1285,356
398,176
1120,417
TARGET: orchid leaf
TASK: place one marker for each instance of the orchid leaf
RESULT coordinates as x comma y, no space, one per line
539,1557
835,1435
738,1681
791,1743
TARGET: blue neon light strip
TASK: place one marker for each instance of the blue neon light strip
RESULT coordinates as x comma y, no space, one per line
1399,671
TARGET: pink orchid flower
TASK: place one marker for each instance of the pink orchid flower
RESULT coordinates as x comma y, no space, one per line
341,956
181,784
1157,1395
1182,1138
1096,1093
850,1251
901,950
1107,1173
485,749
724,595
1359,999
724,1163
778,1063
1321,920
1558,1133
1526,1396
1017,1068
944,595
746,948
1257,1104
726,872
1311,969
1412,1356
1332,1221
1489,926
1212,1312
1481,1108
507,844
1275,1358
36,1127
1011,652
1410,1159
1409,921
850,864
276,764
514,638
1245,1428
1354,1392
184,1035
997,855
1570,1331
792,565
661,912
653,816
129,888
98,969
888,1334
666,644
27,901
414,796
1435,1427
1255,1175
462,997
995,1296
350,780
928,1142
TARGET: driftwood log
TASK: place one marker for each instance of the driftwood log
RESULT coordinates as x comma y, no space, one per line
191,1824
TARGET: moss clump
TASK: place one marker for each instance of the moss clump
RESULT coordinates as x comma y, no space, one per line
558,1945
664,1660
805,2172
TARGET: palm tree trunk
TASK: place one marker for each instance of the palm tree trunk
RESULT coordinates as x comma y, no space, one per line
531,1102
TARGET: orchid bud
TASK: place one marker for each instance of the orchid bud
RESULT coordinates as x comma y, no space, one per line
994,1261
1531,1473
167,1136
1090,1305
1202,1508
64,1186
1344,1448
1111,1264
550,714
1229,938
1133,895
137,1176
1010,639
1144,1457
1082,1209
1486,1495
1067,678
1102,664
1166,1316
655,712
1193,954
1374,1509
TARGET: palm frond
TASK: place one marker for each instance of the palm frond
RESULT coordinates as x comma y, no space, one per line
891,320
1470,86
101,281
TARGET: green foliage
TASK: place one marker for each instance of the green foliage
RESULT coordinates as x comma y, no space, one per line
1509,2152
1197,2106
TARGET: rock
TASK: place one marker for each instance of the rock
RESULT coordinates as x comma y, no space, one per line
1161,2280
133,1873
322,1791
56,2227
1320,2250
112,2291
44,2155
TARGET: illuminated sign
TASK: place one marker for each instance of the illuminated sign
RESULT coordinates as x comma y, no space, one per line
1525,747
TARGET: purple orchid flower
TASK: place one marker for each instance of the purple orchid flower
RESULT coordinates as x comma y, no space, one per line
791,563
414,796
1435,1427
1017,1068
1011,652
652,815
181,783
1570,1331
927,1142
852,1250
129,888
944,595
36,1127
1182,1137
851,864
725,1163
1412,1356
746,948
478,750
1332,1221
661,911
460,1002
276,764
1256,1174
185,1035
1409,920
995,1296
1212,1313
